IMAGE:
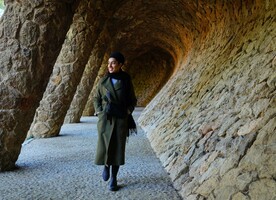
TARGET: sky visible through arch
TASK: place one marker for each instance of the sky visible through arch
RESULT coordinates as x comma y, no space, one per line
2,7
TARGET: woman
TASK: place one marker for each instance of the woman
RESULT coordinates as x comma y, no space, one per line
114,101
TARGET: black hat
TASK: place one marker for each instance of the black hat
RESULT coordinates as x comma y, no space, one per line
118,56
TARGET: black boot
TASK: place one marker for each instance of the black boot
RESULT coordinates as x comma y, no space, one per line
106,173
113,182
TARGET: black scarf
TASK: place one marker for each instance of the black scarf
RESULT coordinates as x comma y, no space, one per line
121,75
132,129
125,78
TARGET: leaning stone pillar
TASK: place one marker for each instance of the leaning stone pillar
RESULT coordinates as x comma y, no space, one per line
31,36
89,108
90,73
68,70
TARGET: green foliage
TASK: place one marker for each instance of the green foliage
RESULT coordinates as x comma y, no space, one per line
2,6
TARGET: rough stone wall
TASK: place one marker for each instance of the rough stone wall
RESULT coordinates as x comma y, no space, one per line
89,108
31,35
150,75
88,22
213,124
67,72
88,78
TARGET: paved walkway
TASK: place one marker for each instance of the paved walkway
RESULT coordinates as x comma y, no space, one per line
63,168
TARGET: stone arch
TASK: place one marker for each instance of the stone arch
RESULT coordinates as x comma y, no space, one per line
212,124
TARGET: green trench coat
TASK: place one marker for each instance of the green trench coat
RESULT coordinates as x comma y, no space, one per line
116,126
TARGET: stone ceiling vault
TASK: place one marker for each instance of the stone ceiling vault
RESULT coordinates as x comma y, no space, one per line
144,29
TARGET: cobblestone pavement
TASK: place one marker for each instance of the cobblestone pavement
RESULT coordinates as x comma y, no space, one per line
62,168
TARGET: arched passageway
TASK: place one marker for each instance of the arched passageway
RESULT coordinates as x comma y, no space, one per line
205,70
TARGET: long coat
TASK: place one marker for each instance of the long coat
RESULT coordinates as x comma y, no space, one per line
114,127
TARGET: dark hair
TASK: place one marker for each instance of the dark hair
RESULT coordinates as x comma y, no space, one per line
118,56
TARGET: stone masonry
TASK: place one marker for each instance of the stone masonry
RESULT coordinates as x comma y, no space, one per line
213,124
204,70
31,35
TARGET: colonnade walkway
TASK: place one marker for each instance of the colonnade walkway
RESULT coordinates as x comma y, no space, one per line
62,168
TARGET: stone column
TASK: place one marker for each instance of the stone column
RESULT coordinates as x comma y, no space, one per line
90,73
31,36
89,107
68,70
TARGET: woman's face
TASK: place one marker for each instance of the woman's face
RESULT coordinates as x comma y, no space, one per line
113,65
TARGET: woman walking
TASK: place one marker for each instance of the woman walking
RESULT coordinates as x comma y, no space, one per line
114,101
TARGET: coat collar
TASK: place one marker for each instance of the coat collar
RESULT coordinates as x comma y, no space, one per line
110,87
107,84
